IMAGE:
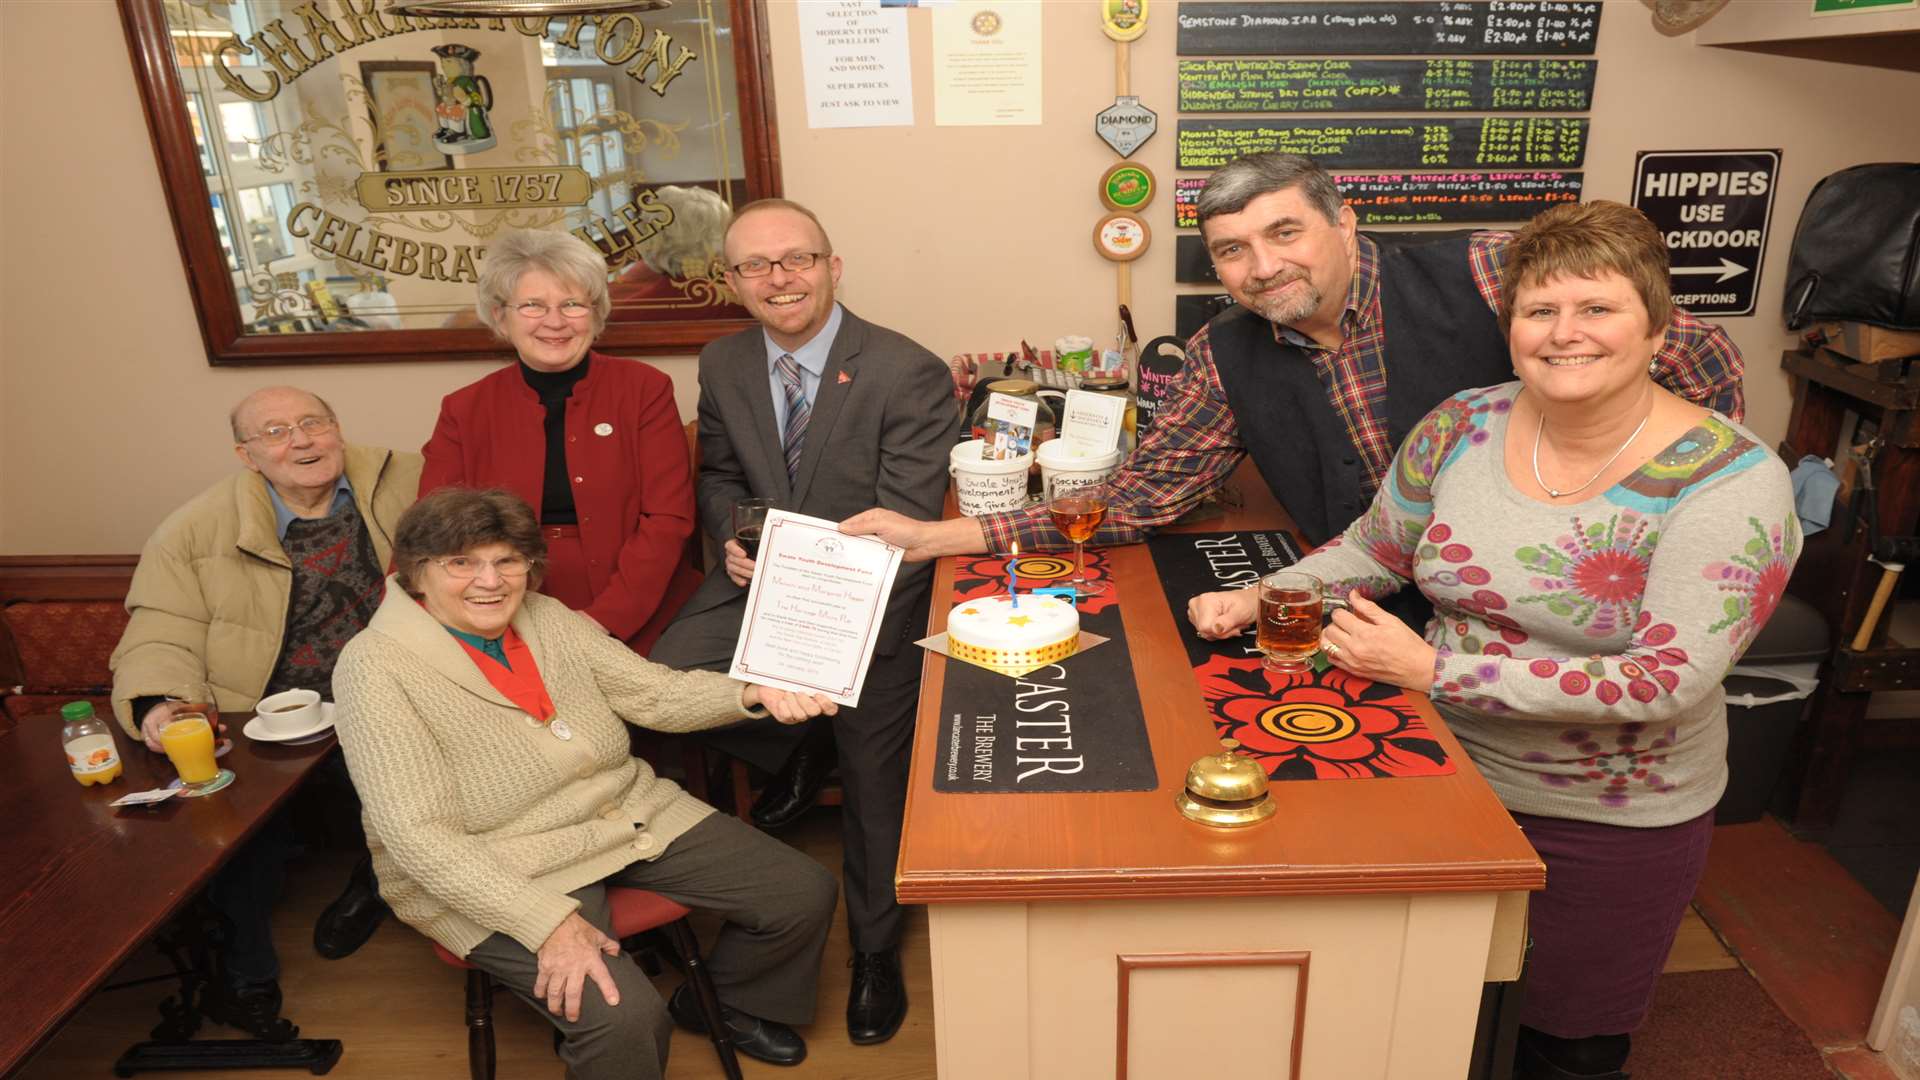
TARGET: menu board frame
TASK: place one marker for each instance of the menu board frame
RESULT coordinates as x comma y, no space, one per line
224,326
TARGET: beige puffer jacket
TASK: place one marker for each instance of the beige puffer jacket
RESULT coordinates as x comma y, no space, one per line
209,598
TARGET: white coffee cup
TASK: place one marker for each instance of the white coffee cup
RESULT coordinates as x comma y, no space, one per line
288,712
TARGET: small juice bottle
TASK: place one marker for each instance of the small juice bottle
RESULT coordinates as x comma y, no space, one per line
91,753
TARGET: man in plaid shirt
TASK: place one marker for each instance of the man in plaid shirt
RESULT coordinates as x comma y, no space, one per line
1311,291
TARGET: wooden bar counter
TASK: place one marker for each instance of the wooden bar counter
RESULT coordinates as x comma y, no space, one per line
1105,936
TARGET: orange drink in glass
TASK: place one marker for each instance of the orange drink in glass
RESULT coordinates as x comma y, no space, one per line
188,741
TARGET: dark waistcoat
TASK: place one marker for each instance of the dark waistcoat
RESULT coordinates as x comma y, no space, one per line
1441,338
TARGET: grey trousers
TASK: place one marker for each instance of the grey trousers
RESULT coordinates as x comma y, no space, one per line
777,904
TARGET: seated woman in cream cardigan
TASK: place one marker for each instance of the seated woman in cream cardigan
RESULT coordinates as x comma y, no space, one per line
484,728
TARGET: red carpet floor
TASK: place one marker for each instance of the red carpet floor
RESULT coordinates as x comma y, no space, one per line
1720,1025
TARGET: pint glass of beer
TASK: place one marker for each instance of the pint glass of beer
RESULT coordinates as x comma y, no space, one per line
1289,630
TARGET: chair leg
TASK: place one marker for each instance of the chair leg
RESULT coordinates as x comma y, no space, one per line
703,993
742,785
479,1025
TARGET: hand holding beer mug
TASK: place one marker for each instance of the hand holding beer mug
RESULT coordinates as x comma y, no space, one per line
1288,629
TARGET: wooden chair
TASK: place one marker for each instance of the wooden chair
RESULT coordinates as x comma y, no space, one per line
635,911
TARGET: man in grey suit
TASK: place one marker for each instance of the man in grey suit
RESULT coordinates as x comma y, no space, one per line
826,414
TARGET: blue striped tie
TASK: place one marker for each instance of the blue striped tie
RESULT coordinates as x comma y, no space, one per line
797,411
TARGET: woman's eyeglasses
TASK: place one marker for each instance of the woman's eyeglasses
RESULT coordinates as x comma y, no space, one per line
466,567
572,309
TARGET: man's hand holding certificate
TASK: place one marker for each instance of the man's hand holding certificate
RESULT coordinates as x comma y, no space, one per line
814,608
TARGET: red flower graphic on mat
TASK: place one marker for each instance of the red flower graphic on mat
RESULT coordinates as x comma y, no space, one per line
1324,726
986,575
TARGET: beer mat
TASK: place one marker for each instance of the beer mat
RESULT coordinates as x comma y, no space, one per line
1315,725
1072,726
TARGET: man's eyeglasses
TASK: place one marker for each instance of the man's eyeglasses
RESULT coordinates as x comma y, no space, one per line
794,263
466,567
275,434
572,309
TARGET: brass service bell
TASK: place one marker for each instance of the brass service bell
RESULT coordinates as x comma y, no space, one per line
1226,790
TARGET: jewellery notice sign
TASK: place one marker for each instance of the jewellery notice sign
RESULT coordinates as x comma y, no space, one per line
1126,124
1712,207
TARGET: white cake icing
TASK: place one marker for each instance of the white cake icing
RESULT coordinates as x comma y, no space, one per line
1043,630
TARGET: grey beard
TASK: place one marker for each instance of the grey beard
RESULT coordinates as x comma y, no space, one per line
1289,311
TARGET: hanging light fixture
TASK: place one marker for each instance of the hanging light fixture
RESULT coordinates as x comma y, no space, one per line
469,9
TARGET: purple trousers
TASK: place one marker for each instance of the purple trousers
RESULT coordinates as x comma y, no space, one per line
1603,927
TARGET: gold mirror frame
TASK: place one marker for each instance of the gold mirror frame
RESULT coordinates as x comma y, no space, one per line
209,280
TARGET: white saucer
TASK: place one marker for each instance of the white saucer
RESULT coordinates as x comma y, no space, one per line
257,731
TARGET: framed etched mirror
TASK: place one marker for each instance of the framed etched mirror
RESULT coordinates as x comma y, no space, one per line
335,170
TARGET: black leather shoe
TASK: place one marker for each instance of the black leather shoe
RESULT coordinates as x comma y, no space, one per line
766,1040
877,1003
1539,1056
352,918
794,788
254,1009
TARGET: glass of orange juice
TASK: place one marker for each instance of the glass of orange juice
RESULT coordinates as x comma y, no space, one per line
188,741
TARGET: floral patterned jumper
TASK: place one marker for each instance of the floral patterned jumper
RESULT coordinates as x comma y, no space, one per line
1581,647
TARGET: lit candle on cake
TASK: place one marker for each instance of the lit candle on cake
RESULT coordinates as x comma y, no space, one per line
1013,575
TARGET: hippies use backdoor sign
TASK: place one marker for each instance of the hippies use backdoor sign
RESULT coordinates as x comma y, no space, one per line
337,170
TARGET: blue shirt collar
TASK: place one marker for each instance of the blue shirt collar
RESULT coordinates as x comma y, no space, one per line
813,355
283,517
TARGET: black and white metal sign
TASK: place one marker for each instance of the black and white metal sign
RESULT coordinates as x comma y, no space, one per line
1713,207
1125,124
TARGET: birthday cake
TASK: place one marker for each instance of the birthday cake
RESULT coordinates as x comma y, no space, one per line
995,634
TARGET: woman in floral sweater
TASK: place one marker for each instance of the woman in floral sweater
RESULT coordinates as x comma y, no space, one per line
1598,552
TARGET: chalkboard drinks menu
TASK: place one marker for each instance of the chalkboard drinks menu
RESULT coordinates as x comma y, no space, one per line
1323,84
1365,28
1421,198
1484,142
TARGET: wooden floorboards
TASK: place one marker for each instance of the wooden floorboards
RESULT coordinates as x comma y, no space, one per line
400,1011
1813,938
1816,941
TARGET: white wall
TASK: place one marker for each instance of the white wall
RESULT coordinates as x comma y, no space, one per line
965,238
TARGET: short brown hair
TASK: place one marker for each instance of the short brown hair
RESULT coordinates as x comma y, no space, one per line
1587,240
774,204
455,520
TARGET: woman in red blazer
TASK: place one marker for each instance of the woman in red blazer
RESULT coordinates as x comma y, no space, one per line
593,441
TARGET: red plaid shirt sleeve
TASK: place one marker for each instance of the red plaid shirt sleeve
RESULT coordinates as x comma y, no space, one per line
1191,450
1696,361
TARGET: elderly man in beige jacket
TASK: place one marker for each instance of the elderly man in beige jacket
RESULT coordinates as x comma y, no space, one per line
250,589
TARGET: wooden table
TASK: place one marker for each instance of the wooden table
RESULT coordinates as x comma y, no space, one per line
1104,935
84,884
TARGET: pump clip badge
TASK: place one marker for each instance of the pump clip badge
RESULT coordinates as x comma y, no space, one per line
1125,125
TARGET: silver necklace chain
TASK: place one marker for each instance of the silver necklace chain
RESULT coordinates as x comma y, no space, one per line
1552,493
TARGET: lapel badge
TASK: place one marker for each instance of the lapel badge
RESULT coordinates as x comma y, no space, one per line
603,428
844,378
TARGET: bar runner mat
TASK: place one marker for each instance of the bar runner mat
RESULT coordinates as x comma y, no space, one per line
1330,725
1072,726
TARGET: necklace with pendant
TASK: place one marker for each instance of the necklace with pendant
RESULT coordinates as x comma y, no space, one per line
1551,492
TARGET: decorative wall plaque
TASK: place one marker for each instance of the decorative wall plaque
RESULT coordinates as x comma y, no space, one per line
1123,20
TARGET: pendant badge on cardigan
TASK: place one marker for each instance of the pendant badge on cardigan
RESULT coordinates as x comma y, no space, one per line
556,727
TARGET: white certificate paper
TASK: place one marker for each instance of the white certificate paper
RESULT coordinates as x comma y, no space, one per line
986,63
814,608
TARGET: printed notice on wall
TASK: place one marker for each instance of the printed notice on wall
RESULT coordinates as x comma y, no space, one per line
856,62
986,63
1713,208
